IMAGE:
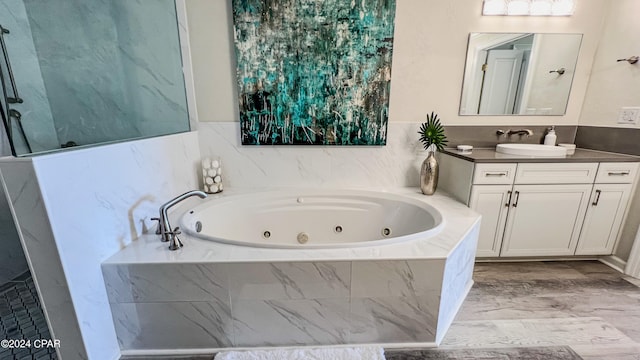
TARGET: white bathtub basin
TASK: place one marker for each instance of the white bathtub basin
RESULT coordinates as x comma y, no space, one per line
531,150
313,219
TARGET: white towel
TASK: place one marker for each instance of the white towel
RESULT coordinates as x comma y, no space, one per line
352,353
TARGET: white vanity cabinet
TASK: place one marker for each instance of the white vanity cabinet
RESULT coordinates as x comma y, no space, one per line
606,209
543,209
547,209
493,203
545,220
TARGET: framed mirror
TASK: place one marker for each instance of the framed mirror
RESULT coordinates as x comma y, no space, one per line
519,73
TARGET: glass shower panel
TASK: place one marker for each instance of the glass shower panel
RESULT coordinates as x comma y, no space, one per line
33,113
96,71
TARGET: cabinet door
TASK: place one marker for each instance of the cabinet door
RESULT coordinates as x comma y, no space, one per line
545,220
492,202
604,216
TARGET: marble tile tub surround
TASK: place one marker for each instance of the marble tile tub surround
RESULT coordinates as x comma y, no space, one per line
518,311
310,303
388,293
394,165
117,188
363,310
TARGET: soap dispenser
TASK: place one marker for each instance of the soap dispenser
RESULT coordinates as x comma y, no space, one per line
550,138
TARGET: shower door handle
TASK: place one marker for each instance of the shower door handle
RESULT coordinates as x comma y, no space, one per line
16,98
15,114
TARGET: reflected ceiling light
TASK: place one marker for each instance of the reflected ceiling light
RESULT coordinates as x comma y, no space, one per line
529,7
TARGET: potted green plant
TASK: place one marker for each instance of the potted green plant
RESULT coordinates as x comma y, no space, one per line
433,138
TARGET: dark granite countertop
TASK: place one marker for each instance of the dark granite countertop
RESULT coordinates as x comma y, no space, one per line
487,155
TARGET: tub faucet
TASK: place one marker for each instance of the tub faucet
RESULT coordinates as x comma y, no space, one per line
164,228
520,132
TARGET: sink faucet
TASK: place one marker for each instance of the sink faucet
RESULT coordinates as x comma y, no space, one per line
520,132
164,228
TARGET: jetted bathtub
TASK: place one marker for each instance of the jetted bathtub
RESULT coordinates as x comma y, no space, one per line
313,219
318,283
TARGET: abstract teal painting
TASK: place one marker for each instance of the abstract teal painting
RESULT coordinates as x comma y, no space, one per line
314,72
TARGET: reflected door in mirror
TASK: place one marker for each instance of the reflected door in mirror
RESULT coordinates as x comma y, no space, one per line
517,73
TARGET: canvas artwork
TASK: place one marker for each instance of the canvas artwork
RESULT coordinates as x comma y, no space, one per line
314,72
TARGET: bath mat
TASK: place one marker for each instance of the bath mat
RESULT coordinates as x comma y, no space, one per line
352,353
523,353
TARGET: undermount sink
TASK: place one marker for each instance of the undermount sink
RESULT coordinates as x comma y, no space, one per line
531,150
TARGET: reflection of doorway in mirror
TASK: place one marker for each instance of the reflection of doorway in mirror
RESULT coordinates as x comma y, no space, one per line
503,76
517,73
499,88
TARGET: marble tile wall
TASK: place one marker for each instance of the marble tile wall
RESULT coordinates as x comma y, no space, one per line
309,303
396,164
396,300
19,179
457,280
116,189
12,259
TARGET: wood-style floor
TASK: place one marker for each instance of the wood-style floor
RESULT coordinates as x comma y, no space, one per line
583,306
542,311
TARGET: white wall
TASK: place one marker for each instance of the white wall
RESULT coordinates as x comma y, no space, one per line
428,63
96,202
614,84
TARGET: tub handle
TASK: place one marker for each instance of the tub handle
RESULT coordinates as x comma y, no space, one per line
158,229
174,242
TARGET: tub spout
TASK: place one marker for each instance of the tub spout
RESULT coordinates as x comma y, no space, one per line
165,230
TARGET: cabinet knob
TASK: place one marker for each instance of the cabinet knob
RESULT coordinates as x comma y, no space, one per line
515,203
